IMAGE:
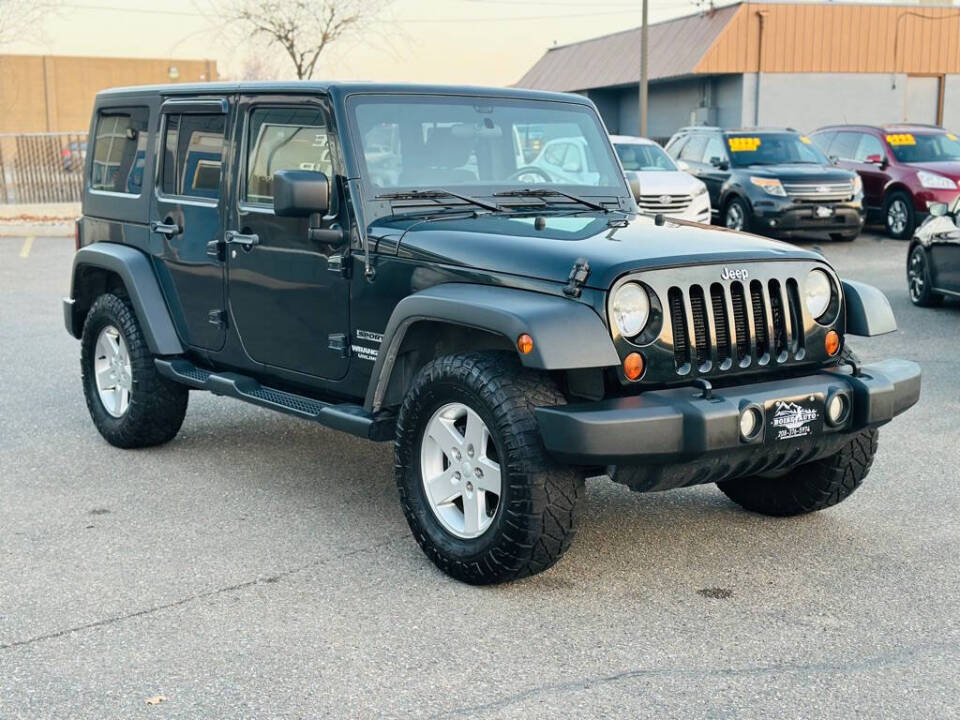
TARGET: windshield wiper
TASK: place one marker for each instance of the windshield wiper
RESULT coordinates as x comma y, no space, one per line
436,194
541,194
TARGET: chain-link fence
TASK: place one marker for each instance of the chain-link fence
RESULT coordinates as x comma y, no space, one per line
41,167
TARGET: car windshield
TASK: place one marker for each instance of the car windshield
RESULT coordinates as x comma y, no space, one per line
643,158
480,146
924,147
773,149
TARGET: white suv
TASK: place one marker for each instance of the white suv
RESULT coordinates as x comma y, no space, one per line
659,186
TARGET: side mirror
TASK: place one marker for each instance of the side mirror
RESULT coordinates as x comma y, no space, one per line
633,180
878,160
937,209
300,193
683,165
719,163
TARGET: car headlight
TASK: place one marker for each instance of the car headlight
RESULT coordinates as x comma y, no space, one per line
771,186
630,309
701,190
817,292
934,181
857,184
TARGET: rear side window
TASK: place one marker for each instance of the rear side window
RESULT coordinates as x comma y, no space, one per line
284,139
693,150
119,150
193,155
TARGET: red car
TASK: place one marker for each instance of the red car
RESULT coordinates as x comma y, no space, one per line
904,168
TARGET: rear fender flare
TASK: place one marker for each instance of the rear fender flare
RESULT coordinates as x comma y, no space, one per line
135,271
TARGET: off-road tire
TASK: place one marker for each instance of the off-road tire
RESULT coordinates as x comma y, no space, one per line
809,487
157,405
536,517
911,220
926,297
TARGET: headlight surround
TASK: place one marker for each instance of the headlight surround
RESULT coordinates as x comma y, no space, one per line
771,186
857,184
817,293
934,181
701,190
630,309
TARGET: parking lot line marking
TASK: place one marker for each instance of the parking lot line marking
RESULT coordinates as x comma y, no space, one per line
27,244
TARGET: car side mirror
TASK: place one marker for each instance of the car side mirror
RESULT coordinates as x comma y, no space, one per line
878,160
683,165
719,163
938,209
300,193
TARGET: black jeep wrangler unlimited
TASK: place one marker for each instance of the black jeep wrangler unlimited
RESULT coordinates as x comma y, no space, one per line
403,263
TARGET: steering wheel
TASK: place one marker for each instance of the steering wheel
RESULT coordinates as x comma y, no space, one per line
530,175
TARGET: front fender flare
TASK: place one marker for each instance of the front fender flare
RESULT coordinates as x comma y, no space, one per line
868,310
134,270
566,334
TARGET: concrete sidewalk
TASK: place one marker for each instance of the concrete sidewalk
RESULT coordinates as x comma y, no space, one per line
50,219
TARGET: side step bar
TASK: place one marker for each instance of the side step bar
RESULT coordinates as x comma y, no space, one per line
347,417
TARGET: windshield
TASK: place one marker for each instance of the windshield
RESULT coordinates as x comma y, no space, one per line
480,146
643,158
925,147
773,149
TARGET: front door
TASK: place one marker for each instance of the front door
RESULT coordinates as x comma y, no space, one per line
288,297
187,219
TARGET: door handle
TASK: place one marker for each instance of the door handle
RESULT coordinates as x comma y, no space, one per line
168,229
232,237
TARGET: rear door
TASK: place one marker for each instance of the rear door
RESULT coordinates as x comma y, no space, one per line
714,176
289,298
187,216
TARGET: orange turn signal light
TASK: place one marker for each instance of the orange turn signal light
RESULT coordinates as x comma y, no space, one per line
633,366
525,344
832,343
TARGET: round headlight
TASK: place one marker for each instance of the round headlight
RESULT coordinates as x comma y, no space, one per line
817,292
630,309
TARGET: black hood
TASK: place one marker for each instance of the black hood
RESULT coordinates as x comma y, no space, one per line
511,244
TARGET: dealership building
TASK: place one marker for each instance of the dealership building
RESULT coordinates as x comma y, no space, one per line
800,65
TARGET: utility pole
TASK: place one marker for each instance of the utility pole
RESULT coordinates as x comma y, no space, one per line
643,72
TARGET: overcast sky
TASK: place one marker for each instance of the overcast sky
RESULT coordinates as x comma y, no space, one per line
458,41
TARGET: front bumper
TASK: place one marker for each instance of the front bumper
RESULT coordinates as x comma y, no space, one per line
677,426
788,218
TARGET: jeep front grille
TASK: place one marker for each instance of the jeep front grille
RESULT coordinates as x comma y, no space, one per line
702,336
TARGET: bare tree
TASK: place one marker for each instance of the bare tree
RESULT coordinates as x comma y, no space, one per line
304,28
18,17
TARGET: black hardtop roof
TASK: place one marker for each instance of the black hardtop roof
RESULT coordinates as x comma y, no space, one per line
340,88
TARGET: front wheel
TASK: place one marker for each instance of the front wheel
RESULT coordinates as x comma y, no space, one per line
482,497
898,215
918,279
737,215
809,487
131,404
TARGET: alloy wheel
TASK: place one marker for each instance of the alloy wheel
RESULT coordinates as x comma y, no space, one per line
112,371
897,216
916,274
460,471
735,217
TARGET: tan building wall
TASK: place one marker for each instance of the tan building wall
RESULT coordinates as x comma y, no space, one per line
837,38
51,93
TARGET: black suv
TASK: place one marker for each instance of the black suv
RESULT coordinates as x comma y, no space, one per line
775,182
382,260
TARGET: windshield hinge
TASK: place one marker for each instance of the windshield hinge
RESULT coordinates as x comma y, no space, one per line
578,276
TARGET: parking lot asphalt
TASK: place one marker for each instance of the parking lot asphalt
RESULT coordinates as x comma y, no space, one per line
260,566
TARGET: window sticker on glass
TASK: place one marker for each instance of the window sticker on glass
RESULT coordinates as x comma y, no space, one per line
901,139
951,136
805,140
743,144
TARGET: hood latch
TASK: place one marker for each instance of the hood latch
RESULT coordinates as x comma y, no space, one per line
578,276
